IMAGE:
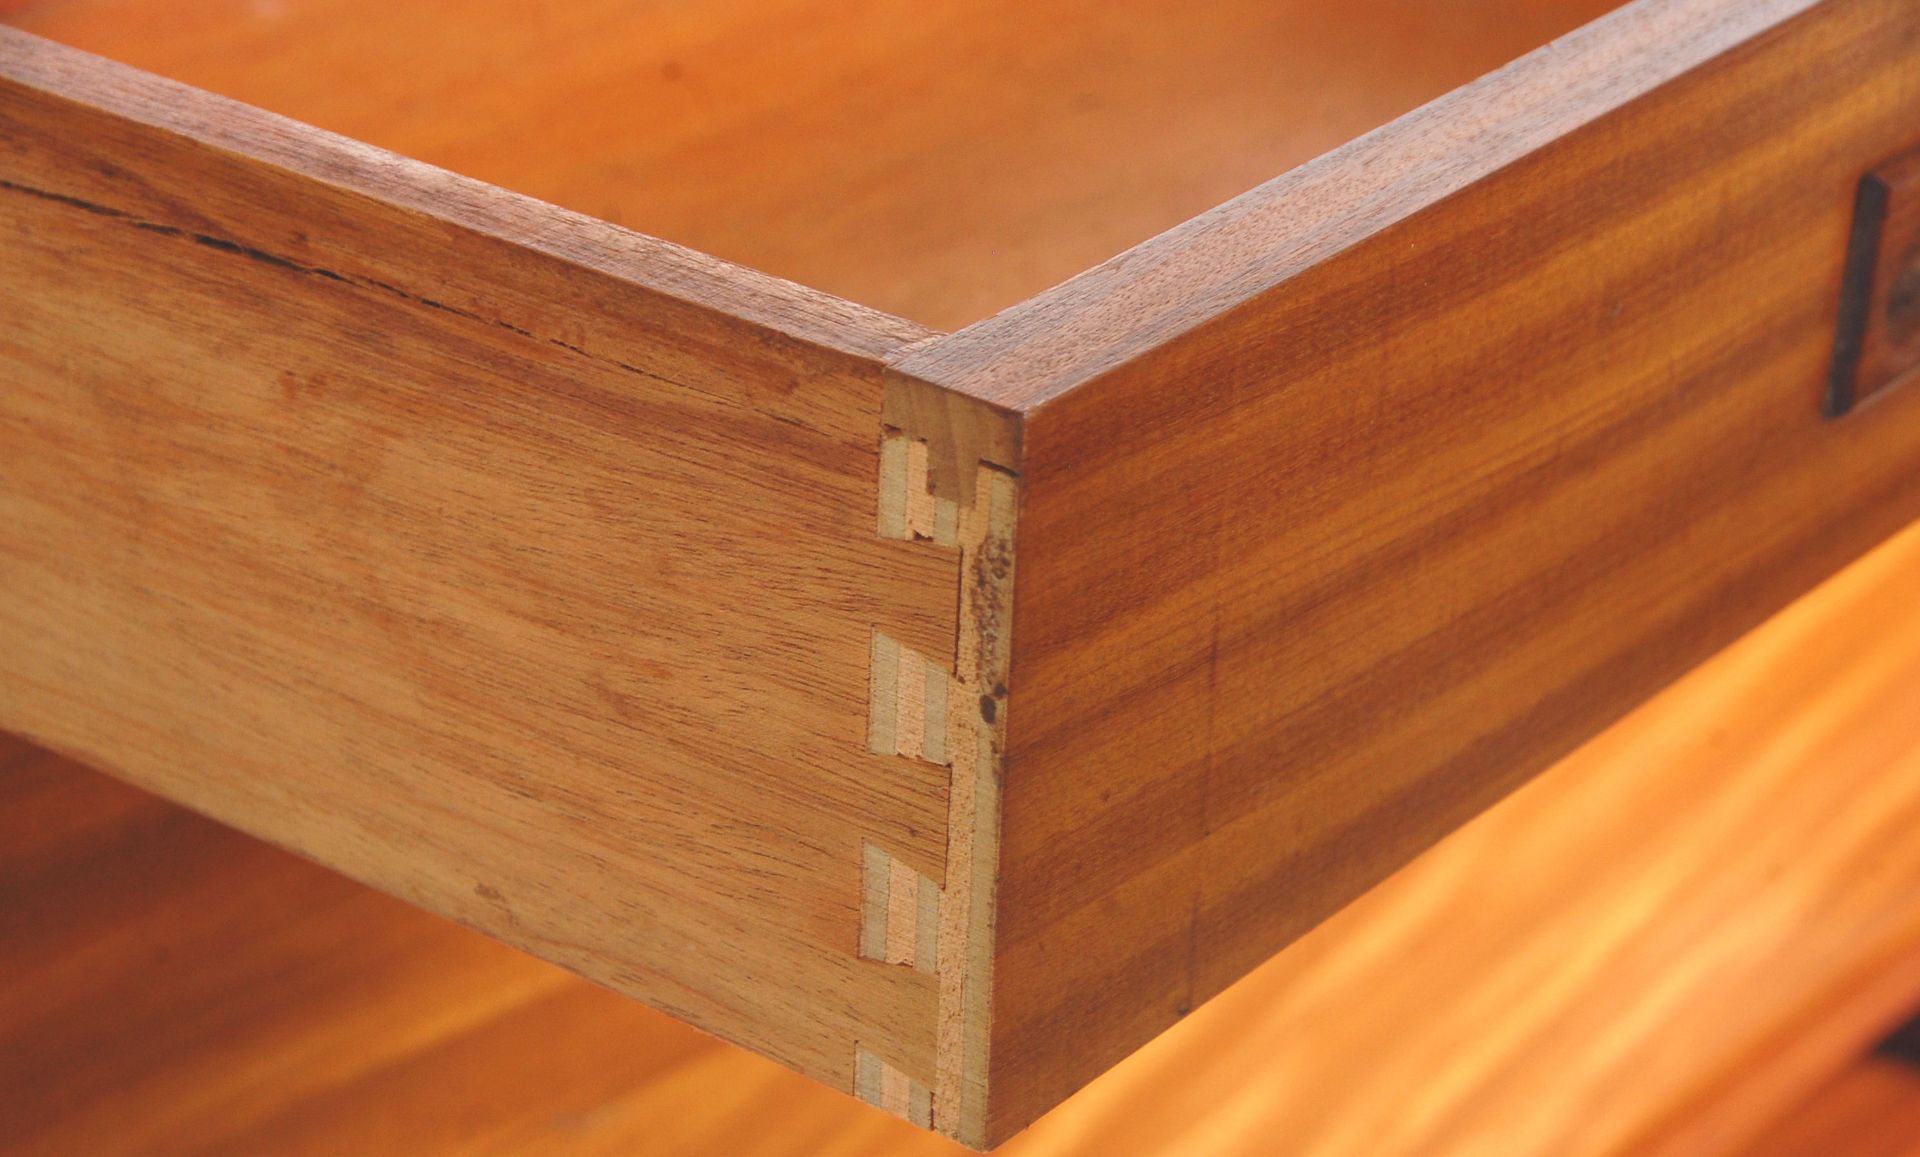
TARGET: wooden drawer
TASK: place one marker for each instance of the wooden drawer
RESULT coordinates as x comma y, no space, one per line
942,714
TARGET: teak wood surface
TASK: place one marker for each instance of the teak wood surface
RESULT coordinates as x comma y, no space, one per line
518,565
1722,888
662,617
1347,507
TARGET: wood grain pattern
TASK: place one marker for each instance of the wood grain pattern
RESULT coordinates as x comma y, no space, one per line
945,708
937,158
656,615
1679,897
1608,952
1350,506
176,989
521,566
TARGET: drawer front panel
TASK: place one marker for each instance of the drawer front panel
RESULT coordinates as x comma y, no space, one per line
1354,504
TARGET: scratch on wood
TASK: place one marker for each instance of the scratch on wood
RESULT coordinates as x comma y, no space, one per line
252,253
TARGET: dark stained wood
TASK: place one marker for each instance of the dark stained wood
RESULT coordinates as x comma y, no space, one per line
1350,506
1879,332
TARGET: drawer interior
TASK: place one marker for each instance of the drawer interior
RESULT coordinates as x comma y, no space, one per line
940,160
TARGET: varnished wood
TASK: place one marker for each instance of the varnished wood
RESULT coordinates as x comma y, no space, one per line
940,159
1693,893
662,617
1349,506
521,566
176,989
1648,932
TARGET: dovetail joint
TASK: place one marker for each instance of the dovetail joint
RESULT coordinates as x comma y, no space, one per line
948,711
879,1083
908,508
907,703
900,912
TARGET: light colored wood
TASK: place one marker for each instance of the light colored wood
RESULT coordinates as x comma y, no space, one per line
1351,505
1858,1005
937,158
977,728
520,566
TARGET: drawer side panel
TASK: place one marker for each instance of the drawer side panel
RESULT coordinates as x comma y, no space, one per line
517,565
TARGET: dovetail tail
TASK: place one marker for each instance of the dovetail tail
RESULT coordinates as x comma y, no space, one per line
907,697
878,1083
908,509
933,731
899,912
